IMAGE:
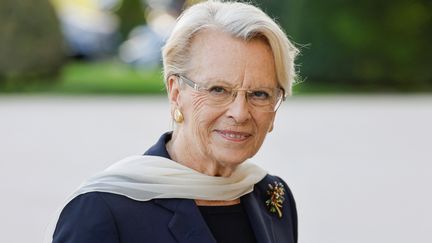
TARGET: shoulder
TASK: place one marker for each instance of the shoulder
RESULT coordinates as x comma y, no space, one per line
107,218
289,210
109,208
86,218
264,185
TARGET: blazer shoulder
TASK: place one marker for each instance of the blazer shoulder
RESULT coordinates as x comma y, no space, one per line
86,218
264,185
289,204
270,180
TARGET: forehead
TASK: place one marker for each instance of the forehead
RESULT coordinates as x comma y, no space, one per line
215,55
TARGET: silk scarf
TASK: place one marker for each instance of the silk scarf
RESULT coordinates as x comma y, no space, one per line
146,177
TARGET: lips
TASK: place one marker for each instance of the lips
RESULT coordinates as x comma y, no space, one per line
234,136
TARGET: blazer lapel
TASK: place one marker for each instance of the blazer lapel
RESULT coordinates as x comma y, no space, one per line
260,220
187,224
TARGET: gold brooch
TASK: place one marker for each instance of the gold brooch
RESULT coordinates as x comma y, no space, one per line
276,193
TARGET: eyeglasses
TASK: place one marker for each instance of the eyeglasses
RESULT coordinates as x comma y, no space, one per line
260,99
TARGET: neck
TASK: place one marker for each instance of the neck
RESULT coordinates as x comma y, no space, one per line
180,152
217,203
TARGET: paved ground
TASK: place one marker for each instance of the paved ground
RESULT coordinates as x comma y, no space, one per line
359,166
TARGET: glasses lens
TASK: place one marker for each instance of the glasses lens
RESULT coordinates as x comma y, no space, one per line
219,95
265,100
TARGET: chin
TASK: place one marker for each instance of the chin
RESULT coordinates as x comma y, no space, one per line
232,157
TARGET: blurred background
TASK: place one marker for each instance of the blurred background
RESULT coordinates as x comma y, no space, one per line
113,46
81,87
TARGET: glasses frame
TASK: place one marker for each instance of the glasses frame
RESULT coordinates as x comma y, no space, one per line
198,87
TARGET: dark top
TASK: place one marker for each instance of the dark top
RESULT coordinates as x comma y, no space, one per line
100,217
228,224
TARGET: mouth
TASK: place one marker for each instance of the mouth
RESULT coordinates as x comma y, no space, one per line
234,136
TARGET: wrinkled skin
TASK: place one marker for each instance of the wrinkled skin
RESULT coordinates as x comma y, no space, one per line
215,140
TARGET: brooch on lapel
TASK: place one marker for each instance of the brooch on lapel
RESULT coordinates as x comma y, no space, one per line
276,193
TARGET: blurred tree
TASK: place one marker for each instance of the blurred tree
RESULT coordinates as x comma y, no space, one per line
131,14
370,42
31,43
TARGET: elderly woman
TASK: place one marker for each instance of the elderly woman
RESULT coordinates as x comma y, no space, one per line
227,69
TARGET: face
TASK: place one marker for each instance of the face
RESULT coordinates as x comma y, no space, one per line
230,134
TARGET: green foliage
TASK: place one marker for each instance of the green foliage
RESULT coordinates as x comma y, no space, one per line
131,14
30,40
371,42
108,77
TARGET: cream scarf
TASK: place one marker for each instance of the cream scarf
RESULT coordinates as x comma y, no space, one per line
145,177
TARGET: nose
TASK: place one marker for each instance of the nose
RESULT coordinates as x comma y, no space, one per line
239,109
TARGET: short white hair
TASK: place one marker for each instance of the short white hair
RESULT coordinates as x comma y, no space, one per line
241,20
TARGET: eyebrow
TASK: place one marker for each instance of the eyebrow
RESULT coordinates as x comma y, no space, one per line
220,81
210,81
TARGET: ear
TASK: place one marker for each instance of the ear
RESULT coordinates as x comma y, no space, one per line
173,93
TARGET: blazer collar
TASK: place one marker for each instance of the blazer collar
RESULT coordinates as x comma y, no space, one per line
187,225
259,218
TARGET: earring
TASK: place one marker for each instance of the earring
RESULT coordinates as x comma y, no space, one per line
178,116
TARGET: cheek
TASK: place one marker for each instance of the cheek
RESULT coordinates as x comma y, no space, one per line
198,106
201,116
264,125
192,104
270,120
198,100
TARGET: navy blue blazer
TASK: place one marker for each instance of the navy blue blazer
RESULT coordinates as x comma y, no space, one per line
99,217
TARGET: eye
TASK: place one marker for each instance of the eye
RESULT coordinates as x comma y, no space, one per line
218,90
259,95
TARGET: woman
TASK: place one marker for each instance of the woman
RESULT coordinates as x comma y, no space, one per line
227,68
